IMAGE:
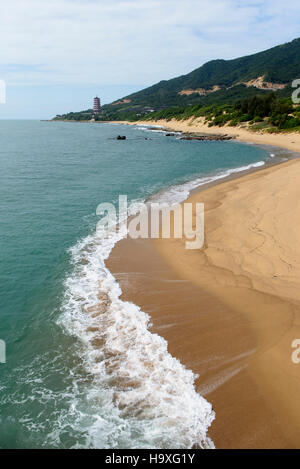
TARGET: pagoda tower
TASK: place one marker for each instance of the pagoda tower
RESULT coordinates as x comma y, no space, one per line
97,105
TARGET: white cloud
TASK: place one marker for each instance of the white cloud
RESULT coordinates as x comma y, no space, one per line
133,41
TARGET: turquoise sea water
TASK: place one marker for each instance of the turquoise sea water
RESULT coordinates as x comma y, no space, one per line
57,389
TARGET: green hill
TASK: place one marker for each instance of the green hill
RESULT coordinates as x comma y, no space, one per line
216,82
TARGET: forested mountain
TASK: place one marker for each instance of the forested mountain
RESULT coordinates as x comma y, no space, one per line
216,82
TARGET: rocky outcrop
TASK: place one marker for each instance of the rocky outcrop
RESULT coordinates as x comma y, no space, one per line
206,137
200,91
261,84
122,101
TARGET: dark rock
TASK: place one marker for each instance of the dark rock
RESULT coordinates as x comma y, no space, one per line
121,137
207,138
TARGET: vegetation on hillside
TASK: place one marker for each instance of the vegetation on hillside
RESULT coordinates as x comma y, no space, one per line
260,112
229,95
76,116
278,65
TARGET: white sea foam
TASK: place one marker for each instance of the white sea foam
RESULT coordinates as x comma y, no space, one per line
149,127
150,397
157,130
150,394
178,193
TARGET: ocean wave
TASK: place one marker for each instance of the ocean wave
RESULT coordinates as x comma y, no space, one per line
150,397
178,193
157,130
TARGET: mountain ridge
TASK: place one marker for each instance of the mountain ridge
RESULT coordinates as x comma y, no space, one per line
278,65
218,81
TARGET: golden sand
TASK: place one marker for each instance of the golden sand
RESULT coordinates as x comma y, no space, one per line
230,311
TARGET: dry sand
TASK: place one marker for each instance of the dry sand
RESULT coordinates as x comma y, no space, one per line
231,310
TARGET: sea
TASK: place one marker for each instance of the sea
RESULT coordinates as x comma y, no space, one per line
82,367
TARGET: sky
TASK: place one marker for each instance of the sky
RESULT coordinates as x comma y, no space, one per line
56,55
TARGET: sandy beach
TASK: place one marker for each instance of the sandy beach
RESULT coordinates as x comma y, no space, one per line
231,310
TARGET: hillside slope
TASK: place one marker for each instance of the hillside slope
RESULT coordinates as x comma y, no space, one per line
216,82
223,80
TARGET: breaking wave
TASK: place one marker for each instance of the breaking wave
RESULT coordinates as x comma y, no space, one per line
151,395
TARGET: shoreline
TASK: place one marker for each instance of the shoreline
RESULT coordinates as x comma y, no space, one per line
254,285
286,140
246,359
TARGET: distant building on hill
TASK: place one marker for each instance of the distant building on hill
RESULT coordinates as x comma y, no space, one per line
97,105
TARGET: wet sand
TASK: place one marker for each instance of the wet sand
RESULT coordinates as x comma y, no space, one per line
209,337
231,310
